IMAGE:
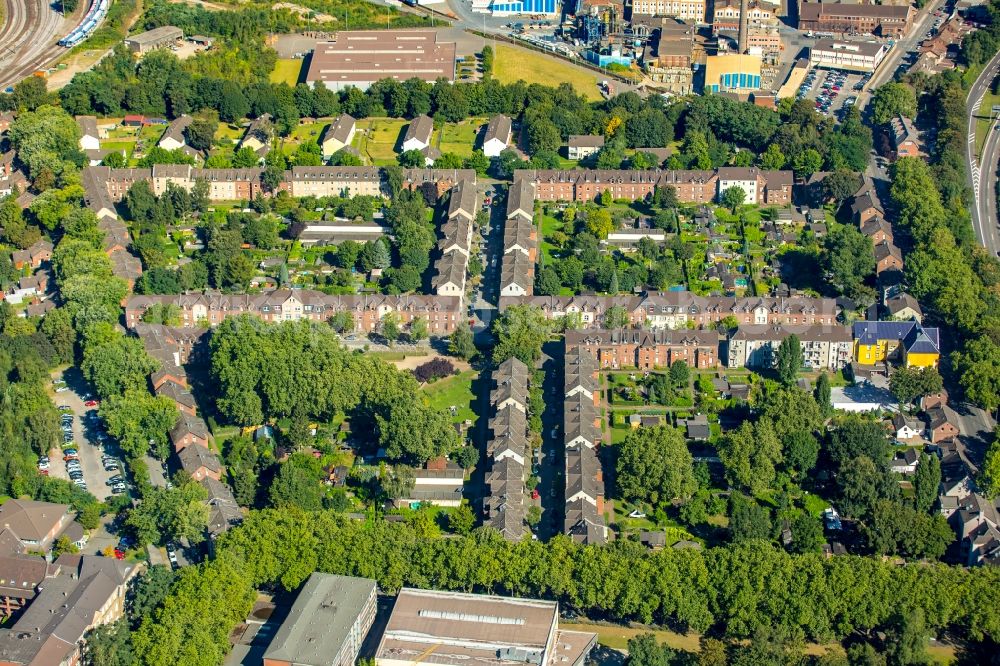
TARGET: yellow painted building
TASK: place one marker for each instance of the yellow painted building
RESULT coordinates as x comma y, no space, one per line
904,341
732,72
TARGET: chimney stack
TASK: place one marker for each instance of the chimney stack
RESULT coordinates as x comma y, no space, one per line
744,21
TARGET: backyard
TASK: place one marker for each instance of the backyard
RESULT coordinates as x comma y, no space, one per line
376,139
460,138
455,391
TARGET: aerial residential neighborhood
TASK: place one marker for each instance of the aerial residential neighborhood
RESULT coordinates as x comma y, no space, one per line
576,333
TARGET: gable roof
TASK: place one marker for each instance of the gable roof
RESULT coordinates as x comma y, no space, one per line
498,128
340,129
420,128
901,302
175,130
189,424
31,520
195,457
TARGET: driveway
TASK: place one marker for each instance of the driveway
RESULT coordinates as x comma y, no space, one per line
85,432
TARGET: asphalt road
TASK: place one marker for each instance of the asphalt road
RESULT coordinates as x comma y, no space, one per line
466,18
983,173
484,300
28,39
908,44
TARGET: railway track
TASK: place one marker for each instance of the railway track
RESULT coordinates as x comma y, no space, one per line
27,39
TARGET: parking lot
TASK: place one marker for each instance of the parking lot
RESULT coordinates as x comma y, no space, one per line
832,90
86,432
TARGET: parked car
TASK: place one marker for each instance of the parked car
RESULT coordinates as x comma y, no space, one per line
172,555
118,489
92,403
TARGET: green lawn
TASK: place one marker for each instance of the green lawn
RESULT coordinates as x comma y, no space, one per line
454,391
377,137
229,132
549,226
287,71
984,119
303,133
460,138
512,64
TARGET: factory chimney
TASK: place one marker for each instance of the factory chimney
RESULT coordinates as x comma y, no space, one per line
744,22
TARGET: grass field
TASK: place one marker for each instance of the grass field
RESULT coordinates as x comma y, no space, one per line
303,133
984,119
454,391
617,637
287,71
512,64
460,138
377,137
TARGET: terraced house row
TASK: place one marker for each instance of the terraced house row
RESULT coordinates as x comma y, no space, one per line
442,313
455,245
520,241
506,502
683,309
247,184
190,436
771,188
584,511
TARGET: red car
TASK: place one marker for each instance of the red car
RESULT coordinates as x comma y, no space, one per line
534,494
119,554
92,403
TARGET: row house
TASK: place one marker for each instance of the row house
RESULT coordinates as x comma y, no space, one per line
102,188
247,184
517,272
683,309
38,253
584,501
333,181
442,313
692,186
648,349
823,347
505,505
190,436
456,242
433,183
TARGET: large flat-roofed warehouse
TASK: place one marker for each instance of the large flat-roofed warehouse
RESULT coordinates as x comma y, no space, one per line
154,39
360,58
432,627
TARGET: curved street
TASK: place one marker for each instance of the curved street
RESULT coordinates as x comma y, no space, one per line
983,172
28,38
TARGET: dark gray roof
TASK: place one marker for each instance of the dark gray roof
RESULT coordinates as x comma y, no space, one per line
194,456
521,196
175,130
499,127
462,199
189,424
421,128
339,129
